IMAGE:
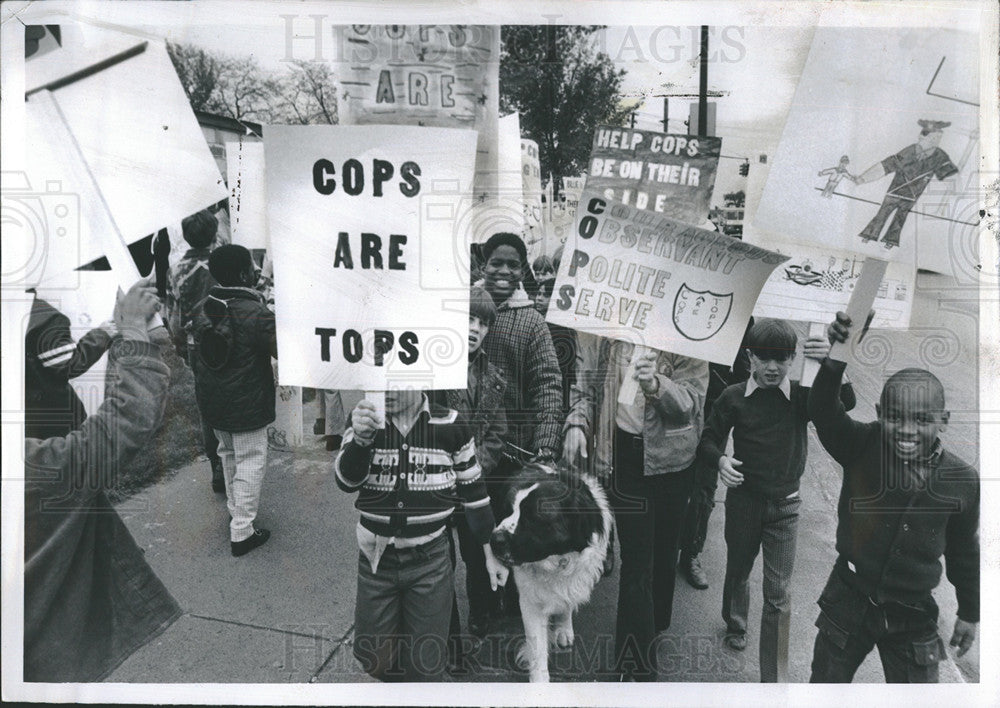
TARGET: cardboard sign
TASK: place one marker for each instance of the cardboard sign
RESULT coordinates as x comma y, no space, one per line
637,276
913,201
361,219
531,185
143,148
672,175
860,306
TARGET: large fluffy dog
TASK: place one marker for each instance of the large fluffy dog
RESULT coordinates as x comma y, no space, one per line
555,539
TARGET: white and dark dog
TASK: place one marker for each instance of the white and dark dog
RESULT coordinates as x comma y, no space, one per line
555,539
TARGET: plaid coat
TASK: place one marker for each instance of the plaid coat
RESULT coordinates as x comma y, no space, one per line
520,345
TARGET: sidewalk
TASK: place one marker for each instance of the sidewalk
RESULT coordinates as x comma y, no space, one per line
284,612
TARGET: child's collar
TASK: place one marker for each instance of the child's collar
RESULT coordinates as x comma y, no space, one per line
785,387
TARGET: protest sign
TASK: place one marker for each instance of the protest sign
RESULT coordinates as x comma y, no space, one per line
443,76
672,175
860,306
360,221
531,186
882,164
635,275
247,193
144,148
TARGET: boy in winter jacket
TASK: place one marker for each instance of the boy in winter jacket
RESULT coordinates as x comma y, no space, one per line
234,380
190,284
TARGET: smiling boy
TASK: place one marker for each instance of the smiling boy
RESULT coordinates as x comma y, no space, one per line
905,502
768,416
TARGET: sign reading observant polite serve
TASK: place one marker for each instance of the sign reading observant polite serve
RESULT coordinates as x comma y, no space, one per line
358,301
669,174
637,276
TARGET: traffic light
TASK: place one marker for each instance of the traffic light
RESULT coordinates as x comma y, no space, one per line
744,169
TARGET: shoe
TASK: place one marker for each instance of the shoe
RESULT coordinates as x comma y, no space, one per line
737,642
218,478
319,427
889,246
333,442
257,538
693,572
479,626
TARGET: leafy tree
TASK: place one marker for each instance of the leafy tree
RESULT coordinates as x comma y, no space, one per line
198,71
309,94
563,87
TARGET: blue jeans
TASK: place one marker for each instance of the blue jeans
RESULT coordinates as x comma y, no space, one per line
851,625
403,611
754,522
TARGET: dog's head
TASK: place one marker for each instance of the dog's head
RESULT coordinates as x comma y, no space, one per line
551,513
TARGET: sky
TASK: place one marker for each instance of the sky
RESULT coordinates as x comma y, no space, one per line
753,70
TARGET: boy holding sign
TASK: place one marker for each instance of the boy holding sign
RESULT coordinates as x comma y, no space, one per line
767,416
409,470
905,502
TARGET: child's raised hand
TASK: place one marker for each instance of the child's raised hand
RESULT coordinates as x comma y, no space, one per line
727,471
365,421
816,348
840,329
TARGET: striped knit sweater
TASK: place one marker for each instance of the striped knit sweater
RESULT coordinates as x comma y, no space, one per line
410,484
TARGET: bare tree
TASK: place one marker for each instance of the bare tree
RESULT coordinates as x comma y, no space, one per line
309,94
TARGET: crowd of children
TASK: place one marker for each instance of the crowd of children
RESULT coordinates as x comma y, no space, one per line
437,463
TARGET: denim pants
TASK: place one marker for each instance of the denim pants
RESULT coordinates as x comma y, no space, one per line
648,512
851,625
754,522
402,612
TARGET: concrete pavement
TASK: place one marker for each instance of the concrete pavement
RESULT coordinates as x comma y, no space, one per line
284,612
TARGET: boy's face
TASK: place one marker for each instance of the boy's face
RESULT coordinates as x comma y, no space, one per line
769,373
477,333
542,301
402,400
502,272
912,418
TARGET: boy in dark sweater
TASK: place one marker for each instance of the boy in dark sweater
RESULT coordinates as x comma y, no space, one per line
411,471
905,501
234,385
768,416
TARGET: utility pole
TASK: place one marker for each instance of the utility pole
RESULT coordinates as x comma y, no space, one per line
703,86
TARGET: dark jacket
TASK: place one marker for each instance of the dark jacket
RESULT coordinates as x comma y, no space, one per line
190,284
51,359
893,527
481,404
90,598
234,381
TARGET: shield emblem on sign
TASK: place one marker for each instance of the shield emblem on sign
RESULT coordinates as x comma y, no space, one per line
700,314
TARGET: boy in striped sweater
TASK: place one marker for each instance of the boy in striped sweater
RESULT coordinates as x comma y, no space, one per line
410,471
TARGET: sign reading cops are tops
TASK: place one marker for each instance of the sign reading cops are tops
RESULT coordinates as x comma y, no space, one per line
371,289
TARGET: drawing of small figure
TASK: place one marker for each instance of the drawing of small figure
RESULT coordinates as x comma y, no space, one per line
836,174
914,167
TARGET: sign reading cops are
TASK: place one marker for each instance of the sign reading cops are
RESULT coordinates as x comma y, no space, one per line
635,275
358,301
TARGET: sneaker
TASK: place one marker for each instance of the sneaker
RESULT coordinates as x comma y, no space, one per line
319,427
257,538
693,572
737,642
218,478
